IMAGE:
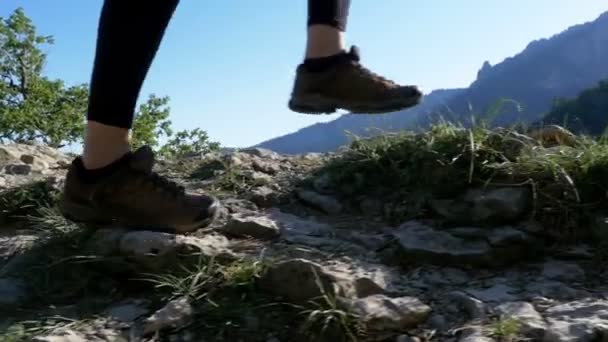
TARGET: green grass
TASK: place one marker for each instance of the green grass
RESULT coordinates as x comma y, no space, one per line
569,183
506,330
15,203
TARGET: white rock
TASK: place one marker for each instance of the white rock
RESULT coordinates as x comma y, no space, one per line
175,314
531,322
261,227
579,321
381,313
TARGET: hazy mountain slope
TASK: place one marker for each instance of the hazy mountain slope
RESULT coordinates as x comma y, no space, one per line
329,136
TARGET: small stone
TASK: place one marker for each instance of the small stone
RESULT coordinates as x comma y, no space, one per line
27,158
271,168
475,308
556,270
173,315
2,182
293,225
326,203
380,313
531,322
263,197
258,227
11,292
18,169
259,178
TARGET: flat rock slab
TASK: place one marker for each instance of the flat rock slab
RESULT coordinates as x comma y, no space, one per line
579,321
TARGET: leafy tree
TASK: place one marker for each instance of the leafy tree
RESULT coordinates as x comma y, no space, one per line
151,122
33,107
187,142
587,113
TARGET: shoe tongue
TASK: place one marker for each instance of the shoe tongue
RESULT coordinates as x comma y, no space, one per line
143,159
354,53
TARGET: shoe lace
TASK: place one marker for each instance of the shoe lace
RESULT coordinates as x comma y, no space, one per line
164,184
368,74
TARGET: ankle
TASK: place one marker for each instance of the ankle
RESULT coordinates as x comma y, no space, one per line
324,41
104,145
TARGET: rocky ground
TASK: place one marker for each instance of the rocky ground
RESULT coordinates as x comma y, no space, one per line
294,257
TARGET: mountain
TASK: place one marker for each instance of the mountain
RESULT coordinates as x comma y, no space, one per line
557,67
329,136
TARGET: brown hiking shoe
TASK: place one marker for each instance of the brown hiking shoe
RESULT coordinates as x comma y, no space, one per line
136,197
349,86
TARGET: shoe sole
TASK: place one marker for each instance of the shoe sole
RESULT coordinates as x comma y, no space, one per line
319,104
80,213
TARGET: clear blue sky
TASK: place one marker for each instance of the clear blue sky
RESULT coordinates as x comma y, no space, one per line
228,66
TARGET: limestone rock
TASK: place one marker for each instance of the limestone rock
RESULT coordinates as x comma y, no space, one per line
300,280
259,227
271,168
379,312
500,205
580,321
557,270
419,242
155,250
531,322
293,225
263,197
175,314
326,203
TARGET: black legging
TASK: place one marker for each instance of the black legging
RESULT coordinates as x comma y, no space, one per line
128,37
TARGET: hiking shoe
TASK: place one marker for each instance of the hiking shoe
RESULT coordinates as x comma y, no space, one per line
350,86
136,197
